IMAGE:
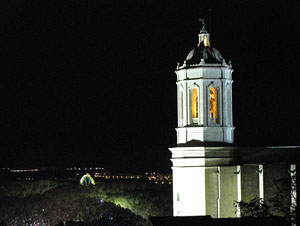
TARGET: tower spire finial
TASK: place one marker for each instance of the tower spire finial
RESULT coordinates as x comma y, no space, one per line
203,35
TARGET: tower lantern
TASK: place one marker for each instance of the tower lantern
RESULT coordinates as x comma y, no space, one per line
203,35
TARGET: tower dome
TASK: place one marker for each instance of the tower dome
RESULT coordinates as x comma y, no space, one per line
206,53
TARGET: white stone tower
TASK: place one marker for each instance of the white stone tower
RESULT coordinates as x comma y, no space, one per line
204,95
209,173
205,129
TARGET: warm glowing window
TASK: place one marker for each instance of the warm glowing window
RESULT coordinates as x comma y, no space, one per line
195,103
205,41
213,100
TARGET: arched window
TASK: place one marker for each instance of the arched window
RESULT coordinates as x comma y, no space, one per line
195,103
213,101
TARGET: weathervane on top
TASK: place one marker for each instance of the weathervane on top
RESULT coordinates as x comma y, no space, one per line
203,35
202,20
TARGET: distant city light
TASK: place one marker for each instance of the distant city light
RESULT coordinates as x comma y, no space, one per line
75,173
23,170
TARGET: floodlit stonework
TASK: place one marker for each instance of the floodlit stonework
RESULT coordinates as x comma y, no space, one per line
209,172
204,96
201,125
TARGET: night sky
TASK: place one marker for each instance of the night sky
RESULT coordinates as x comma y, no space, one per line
92,82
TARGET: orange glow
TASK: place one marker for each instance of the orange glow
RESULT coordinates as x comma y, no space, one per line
213,102
195,103
205,41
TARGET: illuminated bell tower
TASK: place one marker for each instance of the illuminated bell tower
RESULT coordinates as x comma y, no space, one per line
205,130
204,95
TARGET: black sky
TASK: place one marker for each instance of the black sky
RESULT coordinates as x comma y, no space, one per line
91,82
